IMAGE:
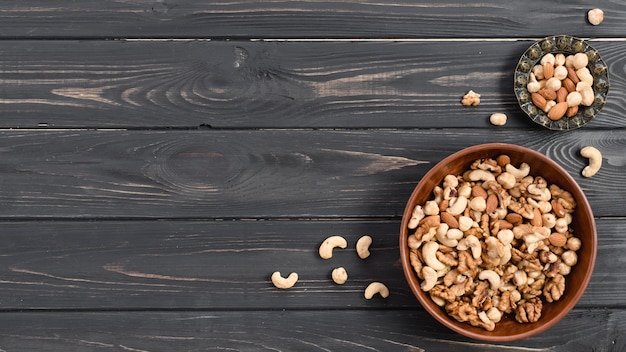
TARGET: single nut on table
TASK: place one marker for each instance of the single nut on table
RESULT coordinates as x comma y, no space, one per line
471,98
497,119
284,283
363,246
376,288
595,16
339,275
595,160
326,248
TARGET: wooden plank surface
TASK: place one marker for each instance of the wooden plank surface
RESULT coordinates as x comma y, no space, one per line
160,159
304,19
243,84
391,330
226,265
260,173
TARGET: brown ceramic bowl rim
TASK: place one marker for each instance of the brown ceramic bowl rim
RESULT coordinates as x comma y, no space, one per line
487,150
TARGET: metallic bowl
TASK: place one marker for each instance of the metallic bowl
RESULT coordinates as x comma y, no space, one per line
567,45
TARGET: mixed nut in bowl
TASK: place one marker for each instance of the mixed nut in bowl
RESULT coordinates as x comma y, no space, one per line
498,242
561,82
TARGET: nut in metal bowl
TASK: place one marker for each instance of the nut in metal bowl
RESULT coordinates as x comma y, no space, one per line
566,45
583,226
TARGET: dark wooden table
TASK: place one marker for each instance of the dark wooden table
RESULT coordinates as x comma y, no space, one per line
160,159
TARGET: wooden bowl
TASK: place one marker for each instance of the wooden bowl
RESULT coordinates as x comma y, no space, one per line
566,45
583,226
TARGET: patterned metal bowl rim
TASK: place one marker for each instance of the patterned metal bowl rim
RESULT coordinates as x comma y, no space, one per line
567,45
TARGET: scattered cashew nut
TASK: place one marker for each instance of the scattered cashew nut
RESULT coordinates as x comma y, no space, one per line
374,288
326,248
595,160
283,283
339,275
363,246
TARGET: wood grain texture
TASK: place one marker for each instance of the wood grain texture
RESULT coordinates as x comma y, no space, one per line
405,330
304,19
226,265
242,84
217,174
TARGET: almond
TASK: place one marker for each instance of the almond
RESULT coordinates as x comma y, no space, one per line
557,239
569,85
558,208
538,100
571,111
492,203
561,95
557,111
444,205
502,224
514,218
548,94
571,74
479,191
536,220
450,220
548,70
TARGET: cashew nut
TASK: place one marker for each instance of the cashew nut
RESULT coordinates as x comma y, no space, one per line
283,283
374,288
465,223
363,245
416,216
506,179
505,236
450,181
430,278
457,206
442,235
429,250
339,275
431,208
595,160
494,314
520,173
473,243
520,278
326,248
480,175
492,277
448,237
